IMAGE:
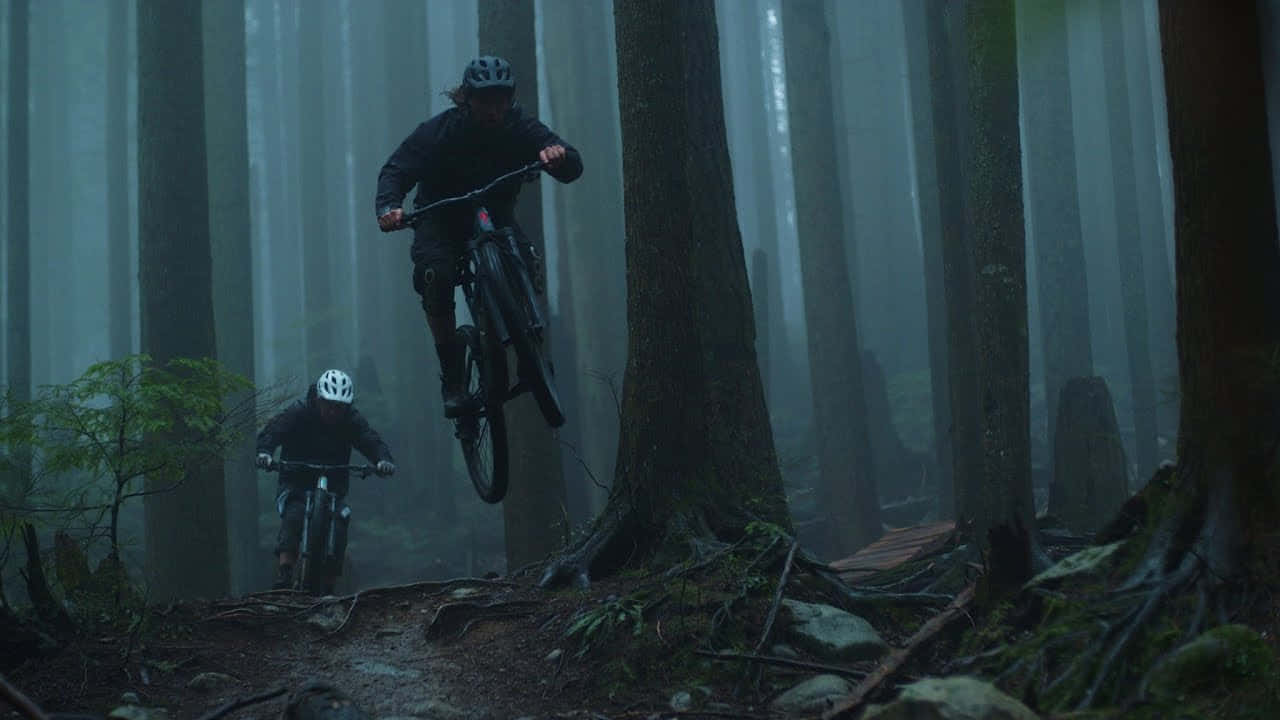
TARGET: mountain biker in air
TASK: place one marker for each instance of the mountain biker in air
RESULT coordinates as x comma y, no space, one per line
320,429
484,135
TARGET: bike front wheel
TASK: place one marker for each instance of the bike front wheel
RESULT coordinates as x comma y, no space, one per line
483,431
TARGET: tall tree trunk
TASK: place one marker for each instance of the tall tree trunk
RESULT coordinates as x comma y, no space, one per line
534,507
1228,280
1129,241
429,444
1054,212
949,104
1155,239
186,527
18,242
319,315
229,239
840,409
120,300
928,192
993,211
696,450
584,98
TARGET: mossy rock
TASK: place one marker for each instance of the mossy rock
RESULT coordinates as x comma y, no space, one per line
951,698
1226,658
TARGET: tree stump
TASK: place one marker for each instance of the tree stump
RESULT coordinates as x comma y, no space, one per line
1090,472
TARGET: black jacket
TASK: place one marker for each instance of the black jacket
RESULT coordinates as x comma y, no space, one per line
448,155
305,437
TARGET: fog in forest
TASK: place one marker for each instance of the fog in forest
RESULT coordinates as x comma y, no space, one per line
303,102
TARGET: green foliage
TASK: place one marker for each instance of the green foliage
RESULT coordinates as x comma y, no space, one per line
76,452
596,626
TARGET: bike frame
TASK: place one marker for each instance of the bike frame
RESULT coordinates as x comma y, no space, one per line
320,488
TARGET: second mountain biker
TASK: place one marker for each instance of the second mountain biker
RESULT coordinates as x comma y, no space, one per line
482,136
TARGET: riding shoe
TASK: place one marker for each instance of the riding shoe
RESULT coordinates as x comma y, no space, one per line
284,578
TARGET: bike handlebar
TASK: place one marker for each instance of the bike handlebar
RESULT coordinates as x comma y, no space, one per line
412,217
280,465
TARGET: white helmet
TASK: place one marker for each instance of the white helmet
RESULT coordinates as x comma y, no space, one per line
335,385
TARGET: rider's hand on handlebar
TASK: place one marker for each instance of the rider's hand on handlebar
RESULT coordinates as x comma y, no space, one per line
263,461
552,156
391,220
385,468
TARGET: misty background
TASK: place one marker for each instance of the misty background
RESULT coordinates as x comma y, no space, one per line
332,86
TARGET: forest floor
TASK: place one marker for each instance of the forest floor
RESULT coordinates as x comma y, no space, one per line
632,646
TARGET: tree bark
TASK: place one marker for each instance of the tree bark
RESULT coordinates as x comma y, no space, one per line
120,299
1129,241
319,312
696,454
948,73
534,507
840,411
1054,212
932,227
187,527
18,216
993,210
1155,238
229,237
1228,278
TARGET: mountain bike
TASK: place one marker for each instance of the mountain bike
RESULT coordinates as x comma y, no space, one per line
318,558
495,275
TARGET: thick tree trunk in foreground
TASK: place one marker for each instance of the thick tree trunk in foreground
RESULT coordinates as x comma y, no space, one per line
696,455
1090,473
1228,280
534,506
186,526
1001,495
845,459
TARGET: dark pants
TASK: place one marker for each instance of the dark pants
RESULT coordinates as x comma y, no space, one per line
436,252
291,503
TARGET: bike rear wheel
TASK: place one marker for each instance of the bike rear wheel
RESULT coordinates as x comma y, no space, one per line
534,366
483,432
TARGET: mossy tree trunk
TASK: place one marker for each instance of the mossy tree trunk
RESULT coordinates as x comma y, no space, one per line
845,463
696,455
999,499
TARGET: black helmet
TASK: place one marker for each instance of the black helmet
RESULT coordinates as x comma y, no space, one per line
488,71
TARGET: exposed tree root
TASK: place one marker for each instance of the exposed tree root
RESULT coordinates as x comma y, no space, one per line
782,662
453,620
244,702
21,703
